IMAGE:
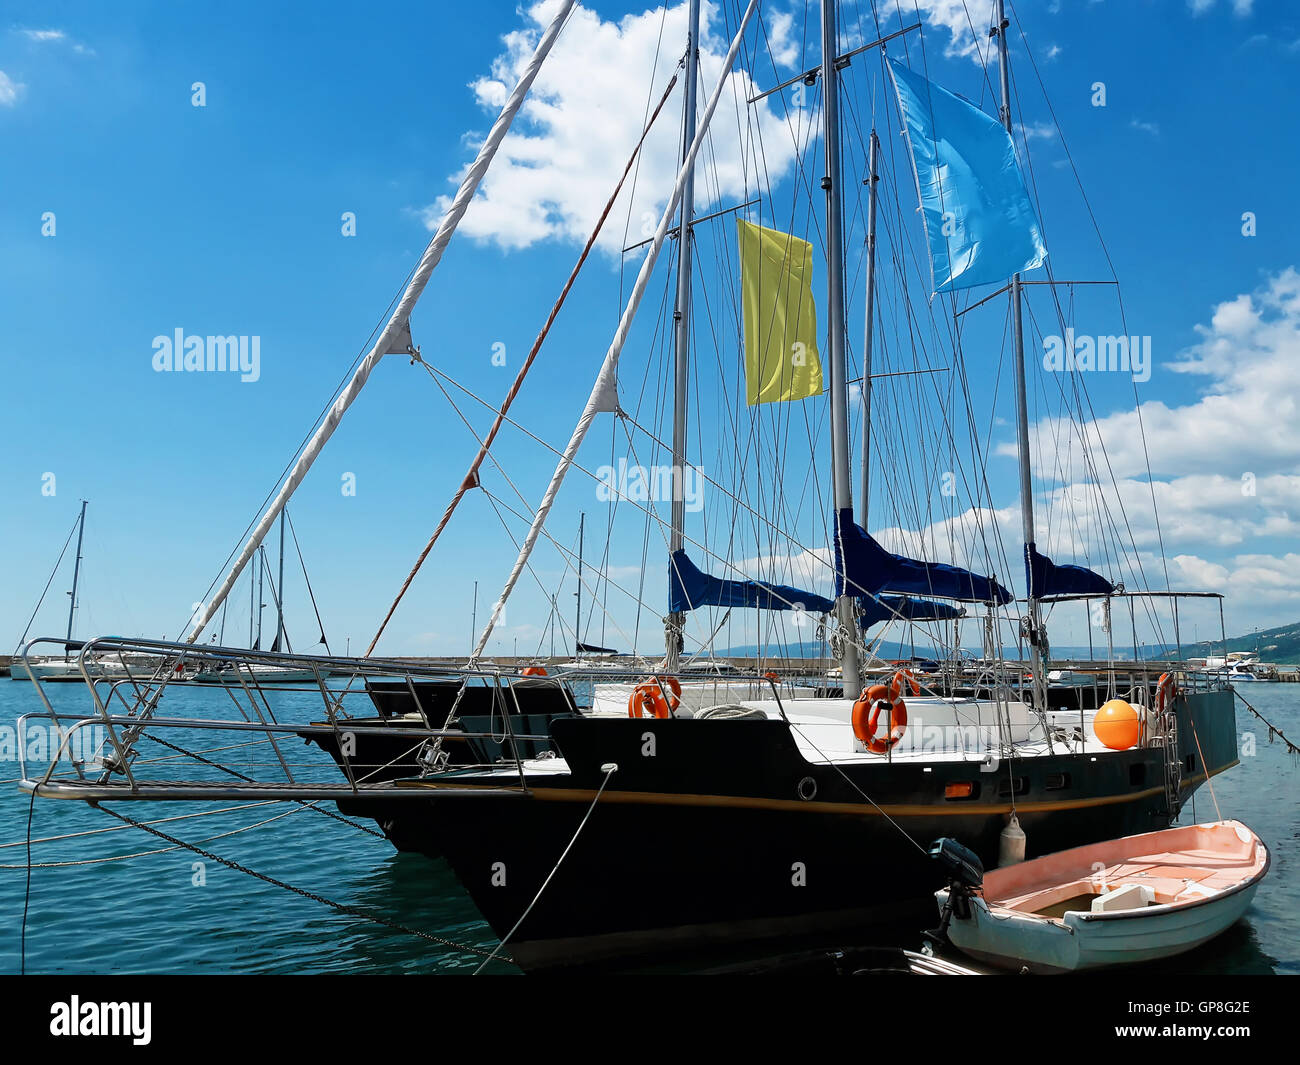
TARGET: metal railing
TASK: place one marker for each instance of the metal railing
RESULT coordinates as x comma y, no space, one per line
335,703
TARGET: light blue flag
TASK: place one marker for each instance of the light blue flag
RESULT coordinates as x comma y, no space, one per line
978,219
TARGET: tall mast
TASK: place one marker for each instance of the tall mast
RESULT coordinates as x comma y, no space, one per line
1022,402
76,568
873,180
577,621
682,326
845,610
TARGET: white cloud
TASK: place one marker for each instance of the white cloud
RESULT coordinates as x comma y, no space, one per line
781,40
557,167
10,90
1240,8
967,22
1244,422
1146,127
43,35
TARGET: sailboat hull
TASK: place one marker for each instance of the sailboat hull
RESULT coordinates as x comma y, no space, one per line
710,843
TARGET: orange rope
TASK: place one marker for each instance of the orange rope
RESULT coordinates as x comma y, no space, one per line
471,478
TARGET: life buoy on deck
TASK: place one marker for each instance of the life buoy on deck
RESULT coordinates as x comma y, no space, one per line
1166,690
867,709
534,671
648,699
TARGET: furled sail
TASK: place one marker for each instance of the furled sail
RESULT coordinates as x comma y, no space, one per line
781,359
865,568
1047,579
979,222
904,608
689,587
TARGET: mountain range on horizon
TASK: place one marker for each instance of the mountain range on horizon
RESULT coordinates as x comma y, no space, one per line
1279,646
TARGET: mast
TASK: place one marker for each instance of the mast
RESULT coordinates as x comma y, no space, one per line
843,488
577,620
76,570
252,605
1022,402
279,589
675,622
873,179
261,591
604,392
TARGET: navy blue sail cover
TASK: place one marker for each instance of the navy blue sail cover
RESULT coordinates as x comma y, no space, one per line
905,608
868,569
689,588
1047,579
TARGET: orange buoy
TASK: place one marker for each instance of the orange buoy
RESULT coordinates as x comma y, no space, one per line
1117,725
534,671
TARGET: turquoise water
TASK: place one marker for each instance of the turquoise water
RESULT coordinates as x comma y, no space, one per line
147,914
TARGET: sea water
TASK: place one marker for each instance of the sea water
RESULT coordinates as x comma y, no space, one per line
121,901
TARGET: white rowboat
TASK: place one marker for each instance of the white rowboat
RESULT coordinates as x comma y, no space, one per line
1122,901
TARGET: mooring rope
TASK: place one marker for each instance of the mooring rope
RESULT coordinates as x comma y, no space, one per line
351,911
250,780
1273,730
610,770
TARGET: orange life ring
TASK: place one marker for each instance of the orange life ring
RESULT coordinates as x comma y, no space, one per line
773,677
534,671
1166,690
648,700
866,711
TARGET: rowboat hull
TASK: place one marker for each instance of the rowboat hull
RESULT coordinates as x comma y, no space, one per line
1199,892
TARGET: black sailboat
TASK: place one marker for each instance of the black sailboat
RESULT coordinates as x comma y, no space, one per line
675,812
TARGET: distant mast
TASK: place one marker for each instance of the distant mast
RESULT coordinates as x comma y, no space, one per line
76,571
676,622
577,618
1022,403
845,610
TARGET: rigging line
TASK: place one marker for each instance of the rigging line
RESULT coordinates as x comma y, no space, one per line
351,911
397,329
610,770
307,580
498,505
631,200
840,769
471,477
23,638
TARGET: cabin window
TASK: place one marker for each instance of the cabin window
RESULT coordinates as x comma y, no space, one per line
1137,774
960,789
1057,781
1014,786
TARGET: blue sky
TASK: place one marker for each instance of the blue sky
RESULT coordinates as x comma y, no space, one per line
226,219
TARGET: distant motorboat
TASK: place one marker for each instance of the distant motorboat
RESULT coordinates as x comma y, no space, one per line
1122,901
250,672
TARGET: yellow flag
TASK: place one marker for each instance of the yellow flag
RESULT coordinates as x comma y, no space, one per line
781,360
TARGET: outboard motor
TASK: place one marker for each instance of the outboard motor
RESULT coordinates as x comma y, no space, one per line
965,873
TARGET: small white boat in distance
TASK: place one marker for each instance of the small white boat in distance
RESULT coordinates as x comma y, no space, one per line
1127,900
